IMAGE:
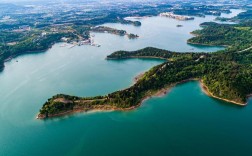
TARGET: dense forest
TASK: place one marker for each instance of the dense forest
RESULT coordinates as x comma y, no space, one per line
235,36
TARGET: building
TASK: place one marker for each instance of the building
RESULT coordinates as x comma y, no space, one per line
25,28
178,17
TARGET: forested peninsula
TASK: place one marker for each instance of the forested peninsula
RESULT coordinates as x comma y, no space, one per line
226,74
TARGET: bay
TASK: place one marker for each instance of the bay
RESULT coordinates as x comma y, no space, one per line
192,125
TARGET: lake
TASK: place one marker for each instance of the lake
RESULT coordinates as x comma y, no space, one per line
184,122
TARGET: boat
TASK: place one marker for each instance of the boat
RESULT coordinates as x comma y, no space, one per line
71,46
95,45
63,45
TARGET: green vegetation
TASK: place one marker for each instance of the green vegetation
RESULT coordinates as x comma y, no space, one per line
28,43
135,23
201,11
227,75
14,43
103,29
241,18
235,36
20,30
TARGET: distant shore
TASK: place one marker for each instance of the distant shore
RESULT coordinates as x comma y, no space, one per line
202,44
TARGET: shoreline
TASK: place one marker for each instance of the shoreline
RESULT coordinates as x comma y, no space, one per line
158,93
137,17
194,34
138,77
104,108
97,108
210,45
202,44
137,57
207,92
25,53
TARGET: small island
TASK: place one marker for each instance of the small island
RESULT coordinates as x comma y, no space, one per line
104,29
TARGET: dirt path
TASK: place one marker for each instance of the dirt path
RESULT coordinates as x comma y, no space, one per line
245,50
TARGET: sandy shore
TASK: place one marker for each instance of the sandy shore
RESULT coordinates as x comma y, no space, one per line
138,77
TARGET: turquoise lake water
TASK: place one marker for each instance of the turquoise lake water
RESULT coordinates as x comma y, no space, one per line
184,122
